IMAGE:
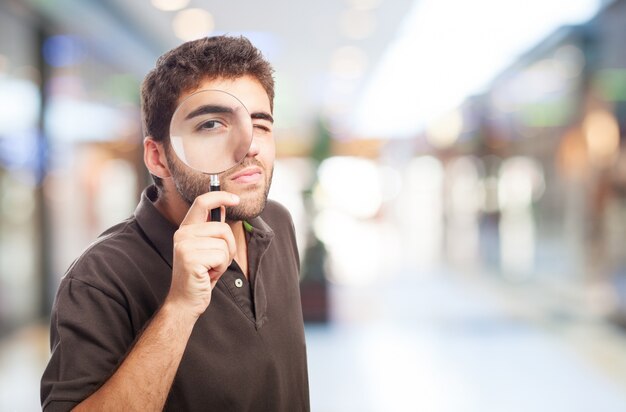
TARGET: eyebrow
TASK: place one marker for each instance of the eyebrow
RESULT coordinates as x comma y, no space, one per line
263,116
208,109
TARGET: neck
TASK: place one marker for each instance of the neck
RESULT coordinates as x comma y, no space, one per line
173,208
241,255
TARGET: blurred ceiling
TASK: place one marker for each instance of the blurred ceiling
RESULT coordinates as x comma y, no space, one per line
369,68
323,51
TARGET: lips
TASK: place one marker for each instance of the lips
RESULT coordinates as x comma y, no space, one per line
248,175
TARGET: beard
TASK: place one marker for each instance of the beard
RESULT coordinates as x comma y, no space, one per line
190,184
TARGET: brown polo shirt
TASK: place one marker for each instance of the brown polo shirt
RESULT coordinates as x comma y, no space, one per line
246,352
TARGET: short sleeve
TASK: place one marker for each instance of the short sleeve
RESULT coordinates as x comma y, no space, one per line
89,336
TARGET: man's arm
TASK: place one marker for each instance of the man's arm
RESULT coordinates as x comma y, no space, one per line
202,252
144,379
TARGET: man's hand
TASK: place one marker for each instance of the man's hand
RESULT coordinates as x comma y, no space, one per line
202,253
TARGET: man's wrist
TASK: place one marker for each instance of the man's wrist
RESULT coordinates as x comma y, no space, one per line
179,313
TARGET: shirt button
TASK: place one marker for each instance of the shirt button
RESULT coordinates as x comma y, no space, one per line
239,283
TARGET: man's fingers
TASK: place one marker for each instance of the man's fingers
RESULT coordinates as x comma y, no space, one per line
213,262
202,205
223,213
207,230
205,245
203,255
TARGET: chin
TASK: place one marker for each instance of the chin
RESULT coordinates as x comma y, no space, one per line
250,206
244,213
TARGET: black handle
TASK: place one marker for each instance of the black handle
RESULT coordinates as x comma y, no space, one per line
216,214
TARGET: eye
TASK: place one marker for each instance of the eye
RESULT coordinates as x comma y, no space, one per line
262,128
210,125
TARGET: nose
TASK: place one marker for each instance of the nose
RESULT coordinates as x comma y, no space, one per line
253,150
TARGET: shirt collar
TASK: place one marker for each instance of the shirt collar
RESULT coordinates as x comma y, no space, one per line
157,228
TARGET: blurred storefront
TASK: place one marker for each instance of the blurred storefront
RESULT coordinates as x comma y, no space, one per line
20,165
535,168
527,180
605,127
525,114
70,152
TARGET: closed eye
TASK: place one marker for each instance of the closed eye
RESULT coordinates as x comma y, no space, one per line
262,128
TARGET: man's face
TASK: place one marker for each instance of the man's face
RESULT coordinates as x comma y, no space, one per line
251,179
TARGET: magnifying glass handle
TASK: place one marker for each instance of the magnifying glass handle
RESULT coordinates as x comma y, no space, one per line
214,185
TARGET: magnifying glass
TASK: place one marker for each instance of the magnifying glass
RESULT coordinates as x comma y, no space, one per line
211,132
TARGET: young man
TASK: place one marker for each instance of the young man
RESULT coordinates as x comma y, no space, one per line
169,311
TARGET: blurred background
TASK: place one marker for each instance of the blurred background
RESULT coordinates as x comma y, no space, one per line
456,172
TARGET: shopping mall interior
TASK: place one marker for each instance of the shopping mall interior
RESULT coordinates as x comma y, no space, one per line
456,173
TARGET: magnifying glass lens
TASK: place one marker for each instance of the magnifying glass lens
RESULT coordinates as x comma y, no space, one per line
211,131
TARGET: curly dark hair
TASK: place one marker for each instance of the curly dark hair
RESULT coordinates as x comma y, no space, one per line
183,68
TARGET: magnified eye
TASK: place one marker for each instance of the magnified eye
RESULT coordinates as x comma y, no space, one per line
211,125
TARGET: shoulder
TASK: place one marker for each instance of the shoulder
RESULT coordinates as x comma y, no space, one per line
276,215
101,264
278,218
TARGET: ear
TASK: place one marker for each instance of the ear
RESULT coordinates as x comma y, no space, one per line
154,158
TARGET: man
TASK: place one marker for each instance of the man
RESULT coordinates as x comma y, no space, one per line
168,311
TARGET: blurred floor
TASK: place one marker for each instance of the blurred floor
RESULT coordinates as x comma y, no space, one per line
423,342
443,343
22,359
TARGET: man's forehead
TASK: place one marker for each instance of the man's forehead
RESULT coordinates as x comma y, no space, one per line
246,88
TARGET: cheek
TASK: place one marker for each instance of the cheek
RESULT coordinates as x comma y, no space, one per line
183,173
268,151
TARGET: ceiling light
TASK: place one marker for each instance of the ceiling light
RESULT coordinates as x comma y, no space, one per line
364,4
348,62
170,5
192,24
357,24
445,131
